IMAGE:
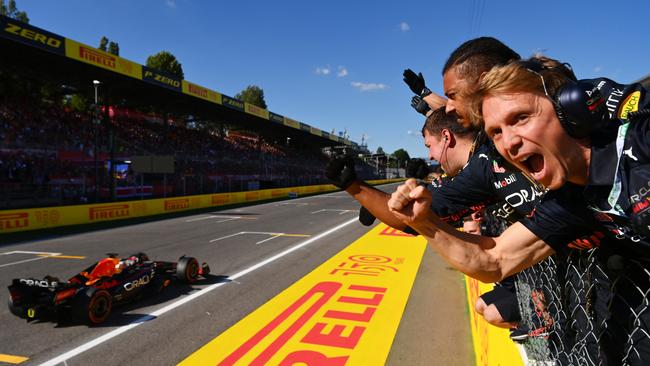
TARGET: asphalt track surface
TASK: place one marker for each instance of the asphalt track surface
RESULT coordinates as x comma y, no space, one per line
254,252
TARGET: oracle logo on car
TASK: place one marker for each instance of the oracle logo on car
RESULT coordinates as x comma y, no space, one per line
108,212
177,204
14,220
137,283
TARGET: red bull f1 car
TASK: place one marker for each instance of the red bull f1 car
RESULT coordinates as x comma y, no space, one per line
91,294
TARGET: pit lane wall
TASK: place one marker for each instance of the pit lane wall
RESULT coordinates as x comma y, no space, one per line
492,345
12,221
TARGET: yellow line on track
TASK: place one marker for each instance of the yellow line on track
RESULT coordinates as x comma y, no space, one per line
12,359
62,256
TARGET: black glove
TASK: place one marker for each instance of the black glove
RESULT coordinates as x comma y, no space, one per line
340,170
417,168
420,105
365,217
416,83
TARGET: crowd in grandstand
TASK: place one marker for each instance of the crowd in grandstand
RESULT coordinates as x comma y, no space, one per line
49,151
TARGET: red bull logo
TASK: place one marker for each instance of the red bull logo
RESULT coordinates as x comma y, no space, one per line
108,212
14,220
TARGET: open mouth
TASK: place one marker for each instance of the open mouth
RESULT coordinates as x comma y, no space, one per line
534,164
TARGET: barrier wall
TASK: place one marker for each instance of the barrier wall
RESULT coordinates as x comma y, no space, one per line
50,217
492,345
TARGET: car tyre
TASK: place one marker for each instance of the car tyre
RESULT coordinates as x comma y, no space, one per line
187,269
95,306
18,311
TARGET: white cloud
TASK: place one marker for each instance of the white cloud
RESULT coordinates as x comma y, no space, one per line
171,3
598,69
404,27
368,86
414,133
323,70
342,72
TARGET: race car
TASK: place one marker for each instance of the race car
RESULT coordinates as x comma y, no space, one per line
91,294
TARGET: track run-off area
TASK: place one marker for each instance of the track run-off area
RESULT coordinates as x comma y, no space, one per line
299,281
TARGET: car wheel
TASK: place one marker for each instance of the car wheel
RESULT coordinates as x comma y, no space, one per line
187,269
95,306
18,311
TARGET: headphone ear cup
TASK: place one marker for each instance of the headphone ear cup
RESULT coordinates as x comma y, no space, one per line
581,109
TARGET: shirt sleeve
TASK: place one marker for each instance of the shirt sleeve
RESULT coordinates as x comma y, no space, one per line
469,191
562,218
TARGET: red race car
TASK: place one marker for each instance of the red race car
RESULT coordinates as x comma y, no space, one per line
91,294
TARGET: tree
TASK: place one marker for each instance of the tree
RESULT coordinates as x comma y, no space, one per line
114,48
103,43
402,156
380,150
166,62
12,11
254,95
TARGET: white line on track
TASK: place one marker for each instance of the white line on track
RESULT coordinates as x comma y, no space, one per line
43,254
227,218
114,333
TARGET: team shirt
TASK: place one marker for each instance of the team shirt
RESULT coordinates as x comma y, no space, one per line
581,217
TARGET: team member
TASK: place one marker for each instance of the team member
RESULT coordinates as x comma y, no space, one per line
598,174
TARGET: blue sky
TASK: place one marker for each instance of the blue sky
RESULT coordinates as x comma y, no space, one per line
338,64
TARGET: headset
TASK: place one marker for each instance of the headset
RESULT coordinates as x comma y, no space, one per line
580,105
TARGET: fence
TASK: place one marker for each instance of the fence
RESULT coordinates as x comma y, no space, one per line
586,308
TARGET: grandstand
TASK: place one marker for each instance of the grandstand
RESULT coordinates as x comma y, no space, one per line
53,154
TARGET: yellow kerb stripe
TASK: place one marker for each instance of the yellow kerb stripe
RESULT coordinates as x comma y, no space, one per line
12,359
62,256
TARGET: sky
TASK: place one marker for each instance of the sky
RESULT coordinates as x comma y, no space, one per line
338,64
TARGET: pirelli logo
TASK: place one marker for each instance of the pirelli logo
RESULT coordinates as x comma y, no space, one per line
252,196
14,221
221,199
277,193
96,57
108,212
177,204
197,90
393,232
315,320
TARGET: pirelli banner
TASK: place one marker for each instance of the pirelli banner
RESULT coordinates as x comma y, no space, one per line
44,218
201,92
105,60
32,36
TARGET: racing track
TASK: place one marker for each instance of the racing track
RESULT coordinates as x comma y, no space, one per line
254,252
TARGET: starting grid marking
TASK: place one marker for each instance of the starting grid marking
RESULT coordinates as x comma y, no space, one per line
226,218
272,235
39,256
340,211
293,204
345,312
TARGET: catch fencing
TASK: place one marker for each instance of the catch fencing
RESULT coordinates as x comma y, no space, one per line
586,307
